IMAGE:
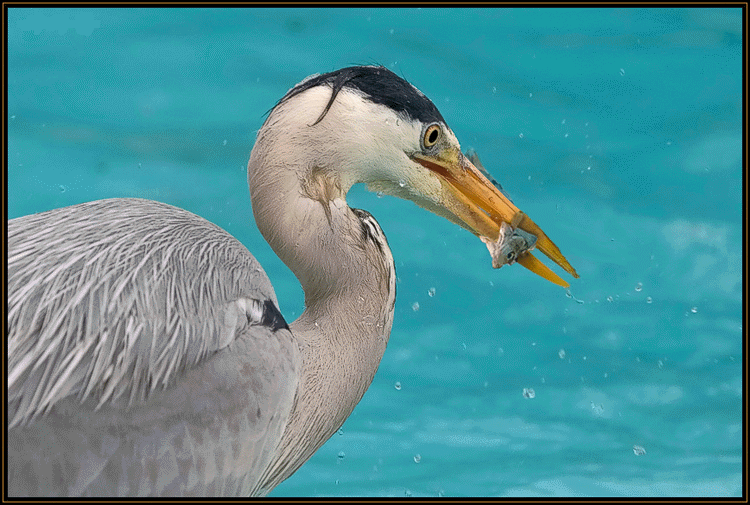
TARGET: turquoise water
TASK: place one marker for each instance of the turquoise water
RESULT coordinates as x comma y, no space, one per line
617,130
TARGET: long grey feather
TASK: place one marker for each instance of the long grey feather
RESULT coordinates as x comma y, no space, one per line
114,298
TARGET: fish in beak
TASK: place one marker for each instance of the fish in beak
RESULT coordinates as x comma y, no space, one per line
481,206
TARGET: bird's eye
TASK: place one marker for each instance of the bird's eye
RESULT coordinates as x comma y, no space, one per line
431,136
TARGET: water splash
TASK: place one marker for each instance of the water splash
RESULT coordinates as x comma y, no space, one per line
569,294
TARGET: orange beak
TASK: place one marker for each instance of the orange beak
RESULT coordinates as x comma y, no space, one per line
482,209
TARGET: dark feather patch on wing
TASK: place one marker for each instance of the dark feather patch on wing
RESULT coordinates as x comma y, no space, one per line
272,318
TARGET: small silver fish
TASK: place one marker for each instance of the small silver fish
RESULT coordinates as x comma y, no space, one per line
511,244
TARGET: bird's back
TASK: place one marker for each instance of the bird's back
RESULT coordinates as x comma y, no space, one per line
146,355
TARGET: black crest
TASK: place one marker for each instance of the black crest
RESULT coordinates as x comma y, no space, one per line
378,85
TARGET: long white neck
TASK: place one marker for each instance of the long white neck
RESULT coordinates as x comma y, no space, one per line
349,284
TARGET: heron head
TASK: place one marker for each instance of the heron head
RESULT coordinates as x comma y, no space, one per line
367,125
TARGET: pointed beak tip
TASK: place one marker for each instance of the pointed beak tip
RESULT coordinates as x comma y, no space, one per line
480,205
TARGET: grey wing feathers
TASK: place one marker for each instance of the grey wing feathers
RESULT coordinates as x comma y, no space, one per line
112,299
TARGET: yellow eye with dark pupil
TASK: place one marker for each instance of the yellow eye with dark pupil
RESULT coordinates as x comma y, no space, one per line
431,136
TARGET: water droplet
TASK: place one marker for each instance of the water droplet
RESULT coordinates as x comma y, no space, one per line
397,386
431,292
417,458
566,135
13,116
341,455
649,300
407,492
415,306
694,310
563,122
638,450
62,188
569,294
494,89
528,393
529,95
464,345
660,363
622,71
401,183
379,194
588,168
390,31
610,299
520,135
224,143
638,286
598,409
341,432
561,353
500,351
606,375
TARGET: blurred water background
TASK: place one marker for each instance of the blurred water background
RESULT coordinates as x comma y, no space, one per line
618,130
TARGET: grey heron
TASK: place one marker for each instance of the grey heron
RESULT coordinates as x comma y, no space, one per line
146,351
